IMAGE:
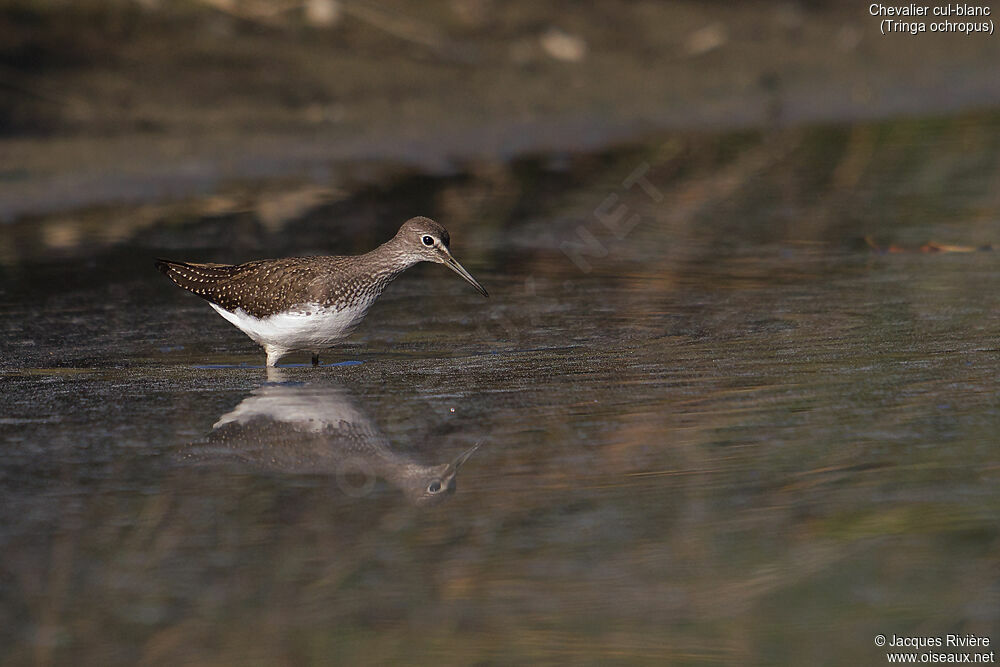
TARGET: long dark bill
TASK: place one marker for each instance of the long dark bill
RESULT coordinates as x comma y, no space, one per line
460,459
453,264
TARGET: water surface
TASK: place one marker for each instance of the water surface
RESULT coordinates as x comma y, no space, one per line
728,411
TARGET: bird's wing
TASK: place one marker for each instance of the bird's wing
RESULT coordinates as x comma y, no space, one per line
259,288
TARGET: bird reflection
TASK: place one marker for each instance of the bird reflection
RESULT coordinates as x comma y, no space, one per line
318,429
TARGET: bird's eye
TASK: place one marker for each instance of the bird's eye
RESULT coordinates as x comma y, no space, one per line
435,486
428,240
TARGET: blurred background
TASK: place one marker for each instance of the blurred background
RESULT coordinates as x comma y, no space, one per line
139,101
735,388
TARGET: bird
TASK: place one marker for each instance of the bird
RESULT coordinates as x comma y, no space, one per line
294,428
312,303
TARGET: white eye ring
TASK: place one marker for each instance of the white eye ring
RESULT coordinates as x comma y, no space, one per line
428,240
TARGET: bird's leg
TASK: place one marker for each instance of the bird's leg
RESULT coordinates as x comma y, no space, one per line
315,358
274,353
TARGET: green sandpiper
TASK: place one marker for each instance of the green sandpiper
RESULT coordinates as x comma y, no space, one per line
312,303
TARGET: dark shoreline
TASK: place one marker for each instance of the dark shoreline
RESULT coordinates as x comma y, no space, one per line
166,107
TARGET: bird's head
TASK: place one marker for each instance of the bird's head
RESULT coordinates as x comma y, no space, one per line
428,241
428,485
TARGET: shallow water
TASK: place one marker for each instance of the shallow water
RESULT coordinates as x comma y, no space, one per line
719,421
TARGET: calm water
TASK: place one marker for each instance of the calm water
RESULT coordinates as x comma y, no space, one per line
719,422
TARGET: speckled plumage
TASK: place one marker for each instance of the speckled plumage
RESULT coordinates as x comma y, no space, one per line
310,303
265,287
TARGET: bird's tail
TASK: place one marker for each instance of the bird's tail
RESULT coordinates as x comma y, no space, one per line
196,278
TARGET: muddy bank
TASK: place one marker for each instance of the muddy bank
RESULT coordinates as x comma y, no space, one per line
109,102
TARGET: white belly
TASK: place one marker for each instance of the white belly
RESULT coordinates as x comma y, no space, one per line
309,327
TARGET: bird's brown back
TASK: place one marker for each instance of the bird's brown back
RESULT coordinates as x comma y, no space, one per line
264,287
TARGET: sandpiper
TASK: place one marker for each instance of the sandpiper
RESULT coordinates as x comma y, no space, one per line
311,303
